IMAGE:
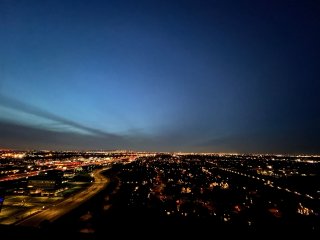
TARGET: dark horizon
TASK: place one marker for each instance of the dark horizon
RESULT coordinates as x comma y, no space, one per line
169,76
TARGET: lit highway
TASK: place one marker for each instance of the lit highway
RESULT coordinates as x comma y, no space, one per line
23,175
267,183
35,173
53,213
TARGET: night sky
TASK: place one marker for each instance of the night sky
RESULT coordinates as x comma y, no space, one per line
206,76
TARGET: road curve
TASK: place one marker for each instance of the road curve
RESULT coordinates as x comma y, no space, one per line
53,213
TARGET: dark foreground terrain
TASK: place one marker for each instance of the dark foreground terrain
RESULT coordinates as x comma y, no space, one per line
192,197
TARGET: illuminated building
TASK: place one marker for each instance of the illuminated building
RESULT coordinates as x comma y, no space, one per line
47,184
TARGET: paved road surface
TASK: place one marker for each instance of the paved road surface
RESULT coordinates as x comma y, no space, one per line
67,205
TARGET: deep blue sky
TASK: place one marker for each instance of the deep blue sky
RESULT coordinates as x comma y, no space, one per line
223,76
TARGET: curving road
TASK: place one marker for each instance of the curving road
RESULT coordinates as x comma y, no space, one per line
68,204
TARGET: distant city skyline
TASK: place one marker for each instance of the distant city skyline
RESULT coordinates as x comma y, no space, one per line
190,76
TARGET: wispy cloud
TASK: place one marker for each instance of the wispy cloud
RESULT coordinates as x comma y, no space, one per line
19,136
20,106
